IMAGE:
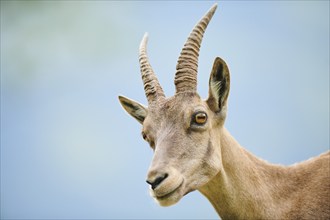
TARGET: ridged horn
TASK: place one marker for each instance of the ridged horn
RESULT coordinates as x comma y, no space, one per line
187,65
152,88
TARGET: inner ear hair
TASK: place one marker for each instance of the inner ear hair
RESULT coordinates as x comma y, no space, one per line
135,109
219,85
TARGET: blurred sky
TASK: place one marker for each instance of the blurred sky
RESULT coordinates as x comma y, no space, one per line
68,150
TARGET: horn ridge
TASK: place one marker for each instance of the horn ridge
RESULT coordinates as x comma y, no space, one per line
152,88
187,65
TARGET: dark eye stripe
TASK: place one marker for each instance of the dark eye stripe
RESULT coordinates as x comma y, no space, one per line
144,136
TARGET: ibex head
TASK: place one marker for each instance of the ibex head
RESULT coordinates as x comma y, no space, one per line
183,130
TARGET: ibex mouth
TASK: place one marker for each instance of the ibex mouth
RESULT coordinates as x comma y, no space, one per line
170,197
167,195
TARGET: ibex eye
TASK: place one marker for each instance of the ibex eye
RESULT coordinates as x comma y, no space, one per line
200,118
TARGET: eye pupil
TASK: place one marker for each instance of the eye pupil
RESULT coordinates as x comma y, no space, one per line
200,118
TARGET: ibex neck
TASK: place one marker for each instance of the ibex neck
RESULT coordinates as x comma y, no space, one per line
246,187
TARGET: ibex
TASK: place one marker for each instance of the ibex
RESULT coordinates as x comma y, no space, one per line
194,151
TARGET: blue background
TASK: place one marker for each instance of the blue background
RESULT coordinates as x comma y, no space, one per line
68,150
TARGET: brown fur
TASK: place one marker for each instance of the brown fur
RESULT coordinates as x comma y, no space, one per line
192,156
249,188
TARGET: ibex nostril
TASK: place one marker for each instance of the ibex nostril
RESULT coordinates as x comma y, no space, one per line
157,181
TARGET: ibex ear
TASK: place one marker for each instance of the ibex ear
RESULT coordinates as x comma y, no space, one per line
219,85
135,109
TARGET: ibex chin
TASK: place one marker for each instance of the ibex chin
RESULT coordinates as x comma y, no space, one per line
194,151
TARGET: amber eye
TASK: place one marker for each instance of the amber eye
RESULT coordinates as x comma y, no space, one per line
200,118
